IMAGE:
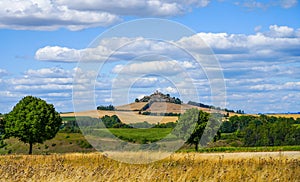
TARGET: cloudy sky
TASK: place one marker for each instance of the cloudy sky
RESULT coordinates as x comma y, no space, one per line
257,44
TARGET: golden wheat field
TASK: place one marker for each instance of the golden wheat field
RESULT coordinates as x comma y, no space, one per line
126,116
177,167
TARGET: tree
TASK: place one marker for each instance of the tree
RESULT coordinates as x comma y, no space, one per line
191,126
32,121
2,122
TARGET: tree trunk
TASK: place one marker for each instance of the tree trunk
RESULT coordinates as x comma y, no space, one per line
30,148
196,146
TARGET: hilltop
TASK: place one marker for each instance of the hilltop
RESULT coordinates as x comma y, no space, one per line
159,97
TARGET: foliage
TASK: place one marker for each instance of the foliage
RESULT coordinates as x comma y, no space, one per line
106,108
199,104
147,106
260,132
113,122
263,130
191,127
2,130
32,121
70,126
208,106
160,114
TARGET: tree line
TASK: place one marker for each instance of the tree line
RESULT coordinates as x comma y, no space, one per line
264,130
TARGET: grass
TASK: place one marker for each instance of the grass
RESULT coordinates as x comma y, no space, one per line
141,135
68,118
61,143
177,167
245,149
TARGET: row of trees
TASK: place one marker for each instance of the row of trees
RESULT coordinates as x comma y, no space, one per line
264,130
106,108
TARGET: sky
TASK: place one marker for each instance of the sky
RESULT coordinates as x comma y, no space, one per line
254,44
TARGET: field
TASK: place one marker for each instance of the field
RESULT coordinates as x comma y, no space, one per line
141,135
126,116
177,167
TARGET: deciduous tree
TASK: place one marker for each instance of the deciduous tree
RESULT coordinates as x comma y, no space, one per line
32,121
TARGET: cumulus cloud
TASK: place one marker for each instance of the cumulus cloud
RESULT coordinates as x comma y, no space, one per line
48,15
153,67
76,15
279,41
170,90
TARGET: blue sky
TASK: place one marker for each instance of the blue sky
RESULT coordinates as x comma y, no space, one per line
256,42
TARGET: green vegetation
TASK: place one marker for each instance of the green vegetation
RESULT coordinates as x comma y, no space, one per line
159,97
106,108
32,121
61,143
160,114
2,130
142,136
245,149
263,130
237,134
191,127
213,107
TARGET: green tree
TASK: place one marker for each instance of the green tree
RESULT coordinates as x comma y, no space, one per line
32,121
191,126
2,130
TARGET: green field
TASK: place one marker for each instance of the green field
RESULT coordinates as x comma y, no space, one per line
136,135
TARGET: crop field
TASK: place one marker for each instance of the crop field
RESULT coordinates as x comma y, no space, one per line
177,167
295,116
126,116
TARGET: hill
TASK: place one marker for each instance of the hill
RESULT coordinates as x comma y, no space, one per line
152,109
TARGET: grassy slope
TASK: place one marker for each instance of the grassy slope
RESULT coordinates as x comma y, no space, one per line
62,143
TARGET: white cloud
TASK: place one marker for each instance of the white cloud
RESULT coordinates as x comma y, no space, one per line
76,15
56,53
295,86
108,100
288,3
281,31
48,15
48,72
152,67
170,90
3,72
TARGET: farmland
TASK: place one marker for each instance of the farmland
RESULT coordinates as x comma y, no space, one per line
126,116
177,167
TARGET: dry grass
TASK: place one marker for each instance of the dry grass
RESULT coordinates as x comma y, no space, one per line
177,167
295,116
126,116
132,106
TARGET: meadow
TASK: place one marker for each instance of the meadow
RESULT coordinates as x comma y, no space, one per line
177,167
141,135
